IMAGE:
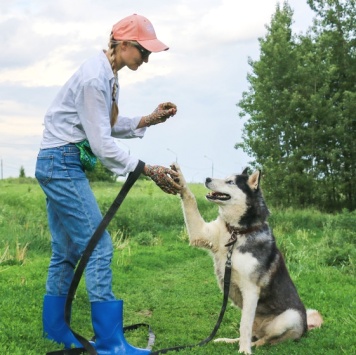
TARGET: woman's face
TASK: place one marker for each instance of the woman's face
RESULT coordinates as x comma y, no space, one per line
130,54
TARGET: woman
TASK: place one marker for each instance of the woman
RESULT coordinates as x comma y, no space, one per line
80,125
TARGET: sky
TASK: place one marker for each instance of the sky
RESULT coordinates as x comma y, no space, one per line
43,42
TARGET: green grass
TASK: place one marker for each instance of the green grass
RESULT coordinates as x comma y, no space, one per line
165,282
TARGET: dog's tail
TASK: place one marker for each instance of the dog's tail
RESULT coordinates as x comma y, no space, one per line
314,319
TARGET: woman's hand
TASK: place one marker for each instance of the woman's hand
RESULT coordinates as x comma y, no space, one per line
160,114
163,177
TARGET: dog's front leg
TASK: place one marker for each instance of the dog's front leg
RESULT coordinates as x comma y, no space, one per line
250,295
198,230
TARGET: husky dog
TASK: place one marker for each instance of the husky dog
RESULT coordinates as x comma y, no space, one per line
260,283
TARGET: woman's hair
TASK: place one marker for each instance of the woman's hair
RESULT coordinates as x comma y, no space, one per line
114,108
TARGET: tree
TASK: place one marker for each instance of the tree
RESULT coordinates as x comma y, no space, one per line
22,172
336,41
301,108
272,135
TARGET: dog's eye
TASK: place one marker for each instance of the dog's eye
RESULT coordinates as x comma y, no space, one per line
230,182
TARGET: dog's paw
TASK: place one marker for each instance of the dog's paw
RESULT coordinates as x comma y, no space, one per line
245,350
180,179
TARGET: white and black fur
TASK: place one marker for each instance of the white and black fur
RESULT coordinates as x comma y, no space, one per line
260,283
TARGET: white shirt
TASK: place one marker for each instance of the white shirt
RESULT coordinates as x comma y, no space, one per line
81,110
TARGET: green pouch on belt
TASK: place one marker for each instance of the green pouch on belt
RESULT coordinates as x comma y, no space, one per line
87,157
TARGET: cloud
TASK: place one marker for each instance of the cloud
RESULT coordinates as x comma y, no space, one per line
53,38
225,21
204,72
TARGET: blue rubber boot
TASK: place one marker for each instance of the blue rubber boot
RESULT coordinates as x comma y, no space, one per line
107,319
54,326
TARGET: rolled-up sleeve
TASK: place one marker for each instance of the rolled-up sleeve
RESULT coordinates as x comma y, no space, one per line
125,127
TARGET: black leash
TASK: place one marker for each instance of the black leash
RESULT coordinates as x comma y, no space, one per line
227,279
88,348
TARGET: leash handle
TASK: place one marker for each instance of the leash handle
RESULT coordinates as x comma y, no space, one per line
87,347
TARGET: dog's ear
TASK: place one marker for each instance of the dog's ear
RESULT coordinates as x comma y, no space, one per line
254,180
245,172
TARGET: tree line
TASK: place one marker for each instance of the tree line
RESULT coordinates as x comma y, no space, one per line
300,108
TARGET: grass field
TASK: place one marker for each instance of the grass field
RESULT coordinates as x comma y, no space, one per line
165,282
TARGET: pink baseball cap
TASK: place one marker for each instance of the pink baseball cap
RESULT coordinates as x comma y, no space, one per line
138,28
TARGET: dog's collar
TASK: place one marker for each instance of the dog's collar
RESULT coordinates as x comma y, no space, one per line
235,232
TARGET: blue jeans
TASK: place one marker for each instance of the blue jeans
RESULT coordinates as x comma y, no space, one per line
73,216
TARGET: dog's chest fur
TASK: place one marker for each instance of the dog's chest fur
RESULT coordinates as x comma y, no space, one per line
254,260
